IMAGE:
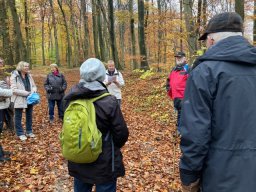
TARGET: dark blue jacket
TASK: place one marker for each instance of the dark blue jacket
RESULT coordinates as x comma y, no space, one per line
218,120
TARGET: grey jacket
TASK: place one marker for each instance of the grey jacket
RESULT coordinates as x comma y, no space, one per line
5,94
19,92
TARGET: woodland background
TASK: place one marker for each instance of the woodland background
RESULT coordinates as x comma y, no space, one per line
137,35
134,33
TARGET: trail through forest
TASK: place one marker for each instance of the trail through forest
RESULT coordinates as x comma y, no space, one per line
151,154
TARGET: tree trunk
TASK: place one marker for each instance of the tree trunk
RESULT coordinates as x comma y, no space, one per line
188,4
27,32
42,15
121,29
7,49
181,21
95,29
20,49
112,34
57,55
133,39
199,14
141,36
69,49
239,7
86,44
101,39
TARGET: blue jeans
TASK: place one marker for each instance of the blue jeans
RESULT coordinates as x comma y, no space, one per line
18,119
51,104
80,186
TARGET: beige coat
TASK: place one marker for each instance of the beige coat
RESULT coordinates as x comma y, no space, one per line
19,93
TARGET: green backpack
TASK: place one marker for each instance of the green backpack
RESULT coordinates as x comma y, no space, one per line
81,141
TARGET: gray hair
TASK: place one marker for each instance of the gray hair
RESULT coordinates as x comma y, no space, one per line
21,65
223,35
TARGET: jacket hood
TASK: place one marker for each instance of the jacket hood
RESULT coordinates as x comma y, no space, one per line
235,49
79,91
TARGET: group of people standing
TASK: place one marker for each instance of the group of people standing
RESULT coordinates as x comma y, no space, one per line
16,86
215,101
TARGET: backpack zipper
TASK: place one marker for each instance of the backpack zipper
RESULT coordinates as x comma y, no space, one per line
79,138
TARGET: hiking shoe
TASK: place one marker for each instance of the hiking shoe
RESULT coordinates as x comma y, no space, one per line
23,137
51,121
31,135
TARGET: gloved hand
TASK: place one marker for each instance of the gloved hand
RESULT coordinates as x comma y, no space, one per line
50,90
192,187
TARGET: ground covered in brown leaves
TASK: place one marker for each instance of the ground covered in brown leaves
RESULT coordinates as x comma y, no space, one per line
150,155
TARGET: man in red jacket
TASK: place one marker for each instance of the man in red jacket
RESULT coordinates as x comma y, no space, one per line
176,82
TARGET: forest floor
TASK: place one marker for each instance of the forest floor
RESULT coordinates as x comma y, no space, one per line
151,155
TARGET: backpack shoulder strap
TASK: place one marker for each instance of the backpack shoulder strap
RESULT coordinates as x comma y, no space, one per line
99,97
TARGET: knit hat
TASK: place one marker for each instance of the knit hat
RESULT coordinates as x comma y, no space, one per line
54,65
91,72
224,22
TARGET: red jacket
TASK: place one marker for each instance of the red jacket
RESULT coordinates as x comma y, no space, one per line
176,83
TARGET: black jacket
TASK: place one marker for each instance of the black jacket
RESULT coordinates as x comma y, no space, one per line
108,118
218,124
55,86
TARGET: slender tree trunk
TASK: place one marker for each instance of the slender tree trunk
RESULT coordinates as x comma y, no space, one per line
27,32
86,44
69,49
239,7
159,32
181,21
101,39
7,49
112,34
133,38
95,29
199,13
121,28
20,49
142,46
188,4
42,15
57,55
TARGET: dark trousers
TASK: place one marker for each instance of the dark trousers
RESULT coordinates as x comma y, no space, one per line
8,118
80,186
51,104
1,120
18,120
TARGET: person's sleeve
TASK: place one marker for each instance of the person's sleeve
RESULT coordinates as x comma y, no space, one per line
47,86
5,92
15,89
168,87
195,125
120,80
64,85
119,130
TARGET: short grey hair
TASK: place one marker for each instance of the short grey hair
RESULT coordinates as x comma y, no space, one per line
54,65
223,35
21,65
